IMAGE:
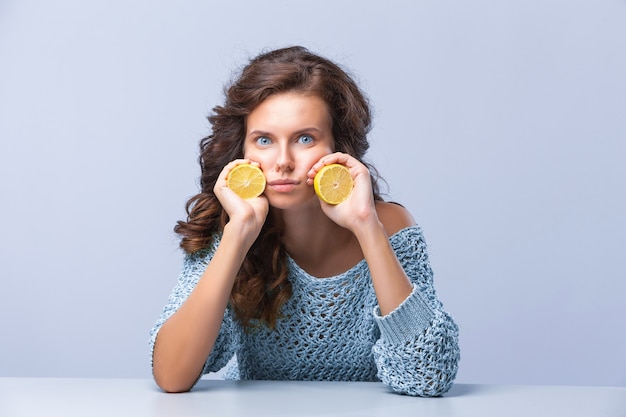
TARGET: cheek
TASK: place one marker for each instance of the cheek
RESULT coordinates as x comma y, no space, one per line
261,157
311,159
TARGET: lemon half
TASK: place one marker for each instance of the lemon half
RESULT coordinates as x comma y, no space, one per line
246,180
333,183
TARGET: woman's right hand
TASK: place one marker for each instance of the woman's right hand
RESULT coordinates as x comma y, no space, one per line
249,215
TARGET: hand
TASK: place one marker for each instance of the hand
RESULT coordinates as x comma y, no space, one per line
359,207
249,214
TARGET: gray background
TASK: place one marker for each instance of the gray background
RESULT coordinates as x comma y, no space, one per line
499,124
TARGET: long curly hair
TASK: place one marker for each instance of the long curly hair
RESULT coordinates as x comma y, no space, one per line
261,286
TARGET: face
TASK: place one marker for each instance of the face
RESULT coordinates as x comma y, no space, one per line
288,133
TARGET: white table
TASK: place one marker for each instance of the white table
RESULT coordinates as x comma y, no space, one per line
74,397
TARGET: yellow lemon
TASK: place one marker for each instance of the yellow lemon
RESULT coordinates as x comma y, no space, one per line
246,180
333,183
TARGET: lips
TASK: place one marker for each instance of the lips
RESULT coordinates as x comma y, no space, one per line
283,182
283,185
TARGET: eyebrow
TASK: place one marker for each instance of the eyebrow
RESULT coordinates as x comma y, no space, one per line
258,132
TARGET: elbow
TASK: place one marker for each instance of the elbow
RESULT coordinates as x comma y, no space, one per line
171,383
435,386
420,378
172,378
432,386
173,388
439,381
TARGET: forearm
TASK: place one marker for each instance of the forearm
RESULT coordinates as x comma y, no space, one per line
418,352
413,361
187,338
391,284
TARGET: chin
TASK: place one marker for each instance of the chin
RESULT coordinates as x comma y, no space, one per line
286,202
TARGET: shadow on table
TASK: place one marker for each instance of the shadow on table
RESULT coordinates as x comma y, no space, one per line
460,390
204,385
213,385
457,390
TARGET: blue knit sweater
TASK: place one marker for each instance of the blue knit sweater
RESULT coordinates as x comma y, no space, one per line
331,328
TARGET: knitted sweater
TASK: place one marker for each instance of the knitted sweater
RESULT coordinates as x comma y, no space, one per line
331,328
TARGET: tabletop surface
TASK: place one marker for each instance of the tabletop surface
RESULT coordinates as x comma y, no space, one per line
70,397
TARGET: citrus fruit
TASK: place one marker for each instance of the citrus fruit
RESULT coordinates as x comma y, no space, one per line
333,183
246,180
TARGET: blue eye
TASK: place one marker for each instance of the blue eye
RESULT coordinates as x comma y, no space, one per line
263,140
305,139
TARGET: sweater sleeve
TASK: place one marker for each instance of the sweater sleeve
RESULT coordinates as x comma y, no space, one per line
418,352
227,340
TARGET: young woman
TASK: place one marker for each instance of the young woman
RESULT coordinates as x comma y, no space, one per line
296,288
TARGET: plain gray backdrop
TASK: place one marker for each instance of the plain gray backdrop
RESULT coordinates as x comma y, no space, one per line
499,124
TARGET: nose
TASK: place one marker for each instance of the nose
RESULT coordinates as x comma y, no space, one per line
284,160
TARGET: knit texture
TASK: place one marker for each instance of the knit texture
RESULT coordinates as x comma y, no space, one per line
331,328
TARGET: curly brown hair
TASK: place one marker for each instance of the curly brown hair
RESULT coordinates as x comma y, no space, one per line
261,286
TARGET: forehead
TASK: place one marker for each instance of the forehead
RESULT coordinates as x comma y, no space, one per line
289,110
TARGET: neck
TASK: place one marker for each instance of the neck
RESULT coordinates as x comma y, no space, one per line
314,241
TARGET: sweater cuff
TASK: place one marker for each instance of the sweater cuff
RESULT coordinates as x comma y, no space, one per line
410,319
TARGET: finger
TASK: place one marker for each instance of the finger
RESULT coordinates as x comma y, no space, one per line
333,158
232,164
222,179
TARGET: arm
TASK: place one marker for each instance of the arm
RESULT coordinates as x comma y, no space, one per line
360,214
391,283
193,268
187,338
418,351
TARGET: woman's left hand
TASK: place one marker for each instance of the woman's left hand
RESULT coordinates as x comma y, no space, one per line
359,208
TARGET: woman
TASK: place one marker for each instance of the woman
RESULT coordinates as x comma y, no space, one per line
299,289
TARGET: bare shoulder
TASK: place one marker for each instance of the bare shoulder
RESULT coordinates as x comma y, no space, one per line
394,217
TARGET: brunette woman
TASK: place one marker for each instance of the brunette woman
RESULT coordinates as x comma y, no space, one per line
294,288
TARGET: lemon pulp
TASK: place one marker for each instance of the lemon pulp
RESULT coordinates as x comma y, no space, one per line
246,180
333,183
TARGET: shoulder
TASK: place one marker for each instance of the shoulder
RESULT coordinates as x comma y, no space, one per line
394,217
